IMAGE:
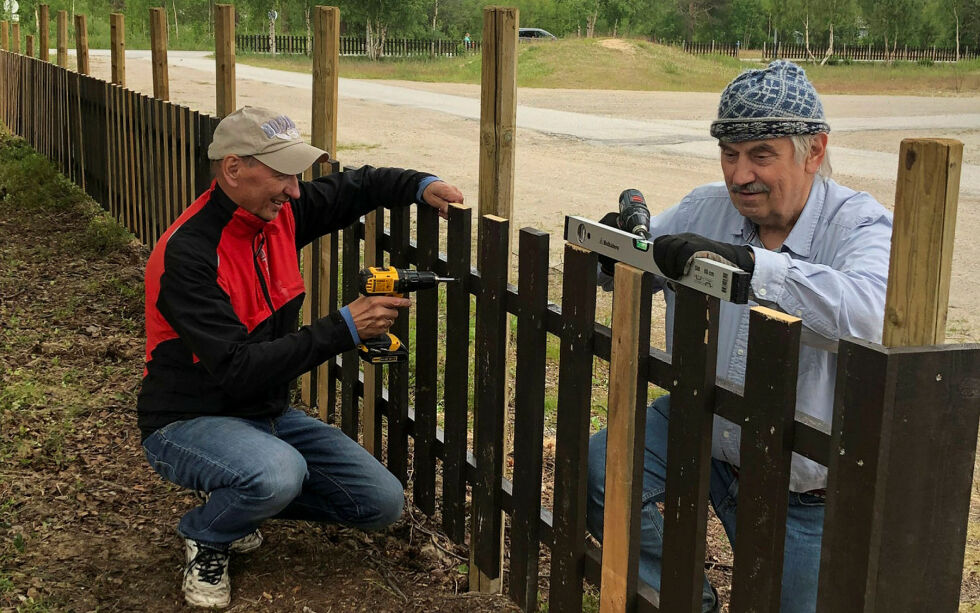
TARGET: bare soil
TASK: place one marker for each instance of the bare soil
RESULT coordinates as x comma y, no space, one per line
85,524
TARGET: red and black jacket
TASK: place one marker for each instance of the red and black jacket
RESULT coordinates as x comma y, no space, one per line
223,295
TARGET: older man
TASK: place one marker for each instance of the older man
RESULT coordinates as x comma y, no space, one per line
223,294
815,249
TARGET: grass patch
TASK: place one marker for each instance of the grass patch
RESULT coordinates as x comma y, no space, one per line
623,64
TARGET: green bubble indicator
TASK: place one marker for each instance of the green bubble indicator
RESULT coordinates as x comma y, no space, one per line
640,244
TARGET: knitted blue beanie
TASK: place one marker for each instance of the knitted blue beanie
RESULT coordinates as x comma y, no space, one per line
771,103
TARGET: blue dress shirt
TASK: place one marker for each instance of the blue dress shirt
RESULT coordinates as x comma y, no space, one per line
831,272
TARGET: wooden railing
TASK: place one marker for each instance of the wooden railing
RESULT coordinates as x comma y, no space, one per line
144,160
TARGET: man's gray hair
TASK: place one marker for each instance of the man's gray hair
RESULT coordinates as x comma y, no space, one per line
802,143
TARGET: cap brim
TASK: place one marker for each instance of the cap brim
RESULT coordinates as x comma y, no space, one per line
294,159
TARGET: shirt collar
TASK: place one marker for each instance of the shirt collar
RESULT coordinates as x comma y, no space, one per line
250,220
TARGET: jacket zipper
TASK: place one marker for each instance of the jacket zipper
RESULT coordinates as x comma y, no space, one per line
260,239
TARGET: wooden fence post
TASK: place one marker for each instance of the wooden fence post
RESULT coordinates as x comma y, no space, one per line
63,39
158,51
324,135
15,37
498,126
224,57
81,45
926,196
42,31
498,112
29,45
626,434
118,48
5,35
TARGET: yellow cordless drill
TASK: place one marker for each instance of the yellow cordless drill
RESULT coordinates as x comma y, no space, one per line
396,282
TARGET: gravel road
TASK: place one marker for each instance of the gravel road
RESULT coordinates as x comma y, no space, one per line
577,149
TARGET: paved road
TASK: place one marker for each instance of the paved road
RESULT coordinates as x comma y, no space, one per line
686,138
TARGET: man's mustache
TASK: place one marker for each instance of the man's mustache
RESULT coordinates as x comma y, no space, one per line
755,187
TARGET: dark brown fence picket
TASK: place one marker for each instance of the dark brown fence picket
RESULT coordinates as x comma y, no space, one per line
572,431
490,379
529,396
766,452
426,363
689,449
348,400
398,376
457,374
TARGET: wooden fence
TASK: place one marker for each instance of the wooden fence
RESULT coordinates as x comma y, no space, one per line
730,49
144,160
867,53
355,46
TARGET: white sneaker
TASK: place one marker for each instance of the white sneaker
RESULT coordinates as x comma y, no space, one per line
246,544
206,580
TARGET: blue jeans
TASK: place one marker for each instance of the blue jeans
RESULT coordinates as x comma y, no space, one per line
290,467
804,522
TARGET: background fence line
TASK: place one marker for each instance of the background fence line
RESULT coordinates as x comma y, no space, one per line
868,53
145,160
351,46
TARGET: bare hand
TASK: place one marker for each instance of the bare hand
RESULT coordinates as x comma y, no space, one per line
440,194
373,315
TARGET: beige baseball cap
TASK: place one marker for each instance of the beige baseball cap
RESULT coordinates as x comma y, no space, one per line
268,136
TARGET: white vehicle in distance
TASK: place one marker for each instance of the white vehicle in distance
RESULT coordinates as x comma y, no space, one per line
534,34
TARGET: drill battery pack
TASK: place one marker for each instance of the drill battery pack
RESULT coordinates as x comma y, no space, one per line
384,349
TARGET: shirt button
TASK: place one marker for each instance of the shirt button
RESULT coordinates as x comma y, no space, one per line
740,352
799,313
762,291
726,434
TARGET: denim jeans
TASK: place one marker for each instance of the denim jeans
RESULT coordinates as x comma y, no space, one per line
804,522
290,467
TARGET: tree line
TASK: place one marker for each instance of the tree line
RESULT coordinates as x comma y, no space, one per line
820,24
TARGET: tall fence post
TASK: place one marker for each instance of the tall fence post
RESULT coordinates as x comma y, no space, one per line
29,45
5,35
117,32
158,52
926,196
43,25
81,45
15,37
63,39
324,135
498,125
224,57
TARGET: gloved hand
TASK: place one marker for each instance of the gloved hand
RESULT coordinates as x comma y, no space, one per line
606,263
674,253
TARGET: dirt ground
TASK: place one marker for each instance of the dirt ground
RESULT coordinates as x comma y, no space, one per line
555,176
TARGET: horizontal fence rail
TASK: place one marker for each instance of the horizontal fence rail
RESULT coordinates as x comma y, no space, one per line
144,160
355,46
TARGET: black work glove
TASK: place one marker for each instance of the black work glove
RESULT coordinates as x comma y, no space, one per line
674,253
606,263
